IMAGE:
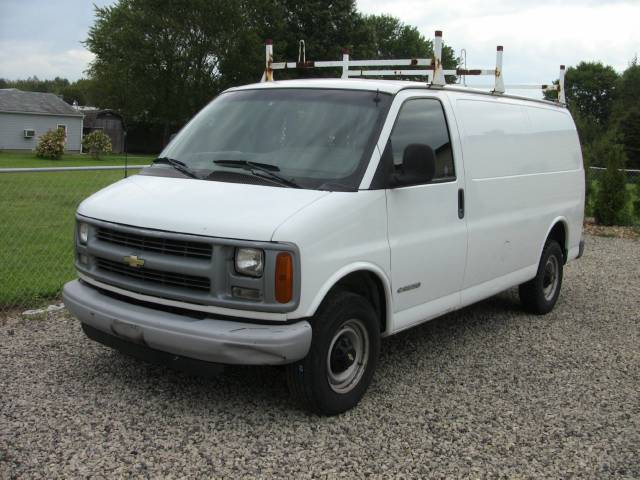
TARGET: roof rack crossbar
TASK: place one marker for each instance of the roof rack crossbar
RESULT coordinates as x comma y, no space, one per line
390,73
352,63
432,68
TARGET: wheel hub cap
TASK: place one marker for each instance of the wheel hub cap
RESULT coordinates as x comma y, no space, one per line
550,278
347,356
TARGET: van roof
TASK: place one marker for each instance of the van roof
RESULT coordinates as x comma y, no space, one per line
386,86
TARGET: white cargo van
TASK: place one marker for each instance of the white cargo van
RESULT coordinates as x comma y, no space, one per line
298,222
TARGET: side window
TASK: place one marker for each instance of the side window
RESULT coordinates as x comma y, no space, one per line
421,121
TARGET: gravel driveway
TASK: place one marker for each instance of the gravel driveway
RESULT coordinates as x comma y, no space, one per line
487,391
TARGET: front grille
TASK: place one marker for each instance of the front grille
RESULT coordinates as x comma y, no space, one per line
145,243
169,279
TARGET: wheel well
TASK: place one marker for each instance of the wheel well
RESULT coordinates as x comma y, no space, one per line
368,285
559,234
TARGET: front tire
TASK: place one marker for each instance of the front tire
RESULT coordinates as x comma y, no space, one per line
336,372
540,294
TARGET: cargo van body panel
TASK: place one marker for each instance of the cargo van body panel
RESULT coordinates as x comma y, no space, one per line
524,171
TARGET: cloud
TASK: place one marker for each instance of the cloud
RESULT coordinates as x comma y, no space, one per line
537,36
25,59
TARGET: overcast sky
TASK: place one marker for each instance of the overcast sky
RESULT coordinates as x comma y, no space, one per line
43,37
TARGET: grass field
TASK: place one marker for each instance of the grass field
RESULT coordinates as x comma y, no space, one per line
37,222
29,160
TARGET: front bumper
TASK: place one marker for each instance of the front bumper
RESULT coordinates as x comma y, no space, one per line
209,339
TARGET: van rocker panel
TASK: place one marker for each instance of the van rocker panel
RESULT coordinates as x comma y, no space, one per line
210,339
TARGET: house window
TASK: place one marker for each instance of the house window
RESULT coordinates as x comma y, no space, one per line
63,128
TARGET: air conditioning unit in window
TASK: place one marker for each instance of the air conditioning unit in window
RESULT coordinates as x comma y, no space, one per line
29,133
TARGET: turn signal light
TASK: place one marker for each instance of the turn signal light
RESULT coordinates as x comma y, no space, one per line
284,278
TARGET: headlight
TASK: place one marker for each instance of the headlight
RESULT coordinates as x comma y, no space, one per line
83,233
249,261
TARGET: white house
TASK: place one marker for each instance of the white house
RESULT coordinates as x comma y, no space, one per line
24,116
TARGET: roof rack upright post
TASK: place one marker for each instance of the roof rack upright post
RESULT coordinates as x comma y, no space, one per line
561,96
499,81
267,76
345,63
438,75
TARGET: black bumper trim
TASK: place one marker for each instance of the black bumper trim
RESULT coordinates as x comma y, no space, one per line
142,352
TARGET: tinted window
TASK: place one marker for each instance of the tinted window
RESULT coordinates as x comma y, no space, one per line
422,121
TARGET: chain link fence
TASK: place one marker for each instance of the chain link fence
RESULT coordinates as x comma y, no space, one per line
632,175
37,223
37,216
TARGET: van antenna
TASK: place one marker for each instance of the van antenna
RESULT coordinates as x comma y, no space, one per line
124,130
463,61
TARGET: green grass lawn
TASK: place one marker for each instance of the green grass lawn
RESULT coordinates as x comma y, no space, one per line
37,222
29,160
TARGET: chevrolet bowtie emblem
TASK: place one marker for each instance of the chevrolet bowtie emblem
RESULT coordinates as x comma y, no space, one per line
133,261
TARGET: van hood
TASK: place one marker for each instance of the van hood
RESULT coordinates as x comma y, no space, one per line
198,207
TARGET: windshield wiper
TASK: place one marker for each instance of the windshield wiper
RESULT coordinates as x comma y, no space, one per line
266,169
178,165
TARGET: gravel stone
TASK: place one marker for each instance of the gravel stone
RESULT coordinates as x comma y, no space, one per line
488,391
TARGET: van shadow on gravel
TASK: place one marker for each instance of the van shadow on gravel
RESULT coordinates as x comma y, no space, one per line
403,357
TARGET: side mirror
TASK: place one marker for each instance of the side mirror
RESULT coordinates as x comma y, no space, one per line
418,166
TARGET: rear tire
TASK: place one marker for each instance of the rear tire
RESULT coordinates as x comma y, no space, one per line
540,294
336,372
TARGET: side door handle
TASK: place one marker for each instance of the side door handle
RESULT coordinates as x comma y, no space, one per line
461,203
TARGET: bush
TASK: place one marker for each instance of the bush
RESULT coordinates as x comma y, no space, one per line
51,144
612,197
96,143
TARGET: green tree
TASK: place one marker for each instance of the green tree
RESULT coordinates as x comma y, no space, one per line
612,197
590,90
628,88
385,36
629,126
158,61
326,26
627,112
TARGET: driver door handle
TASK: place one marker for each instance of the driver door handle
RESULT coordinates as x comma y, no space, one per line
461,203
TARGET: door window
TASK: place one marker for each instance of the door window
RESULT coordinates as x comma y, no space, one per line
422,121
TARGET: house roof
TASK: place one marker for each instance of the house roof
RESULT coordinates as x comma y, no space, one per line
17,101
90,116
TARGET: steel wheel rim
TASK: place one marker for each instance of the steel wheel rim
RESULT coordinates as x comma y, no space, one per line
347,356
551,277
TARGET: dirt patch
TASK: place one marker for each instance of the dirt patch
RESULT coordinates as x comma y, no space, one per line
615,231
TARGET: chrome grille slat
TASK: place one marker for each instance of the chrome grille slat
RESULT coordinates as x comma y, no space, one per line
145,243
155,276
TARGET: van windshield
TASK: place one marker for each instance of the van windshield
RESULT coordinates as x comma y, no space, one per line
309,138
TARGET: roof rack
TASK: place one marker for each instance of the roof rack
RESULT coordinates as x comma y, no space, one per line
432,68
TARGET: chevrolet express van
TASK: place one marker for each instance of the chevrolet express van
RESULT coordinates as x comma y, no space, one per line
298,222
